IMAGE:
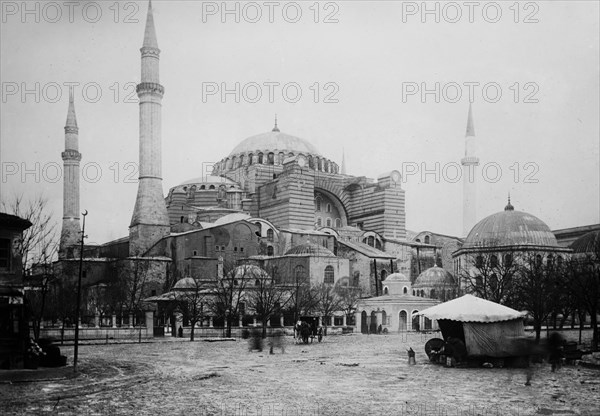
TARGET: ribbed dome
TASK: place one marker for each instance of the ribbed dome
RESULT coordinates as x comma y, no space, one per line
185,283
275,141
587,243
434,276
396,277
309,249
510,228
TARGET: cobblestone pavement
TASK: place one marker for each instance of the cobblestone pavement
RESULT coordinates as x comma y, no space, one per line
345,375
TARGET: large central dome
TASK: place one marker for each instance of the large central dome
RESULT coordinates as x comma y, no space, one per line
275,141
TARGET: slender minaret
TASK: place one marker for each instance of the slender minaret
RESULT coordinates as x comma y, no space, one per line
343,168
69,236
469,163
150,221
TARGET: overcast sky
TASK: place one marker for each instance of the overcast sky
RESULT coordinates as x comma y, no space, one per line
533,68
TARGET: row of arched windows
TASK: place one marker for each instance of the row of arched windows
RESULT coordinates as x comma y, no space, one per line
329,222
234,162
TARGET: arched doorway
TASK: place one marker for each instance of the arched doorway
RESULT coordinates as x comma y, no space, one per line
415,321
364,325
403,321
383,318
373,323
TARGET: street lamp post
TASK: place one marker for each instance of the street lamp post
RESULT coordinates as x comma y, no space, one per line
79,294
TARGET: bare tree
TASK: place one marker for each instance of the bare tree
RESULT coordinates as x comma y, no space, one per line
133,277
349,296
536,288
191,302
267,298
40,241
328,301
493,274
228,293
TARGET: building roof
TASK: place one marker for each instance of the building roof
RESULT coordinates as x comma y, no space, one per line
209,180
434,276
275,140
396,277
469,308
510,228
12,221
185,284
588,243
309,249
366,250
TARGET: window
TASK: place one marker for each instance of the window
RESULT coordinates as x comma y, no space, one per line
328,207
432,294
202,187
479,262
181,219
328,222
270,251
507,260
426,239
329,275
356,279
405,290
195,252
371,241
257,282
385,291
153,292
235,249
260,158
270,234
242,308
319,222
222,248
494,261
318,204
4,253
299,273
241,249
211,187
338,223
216,248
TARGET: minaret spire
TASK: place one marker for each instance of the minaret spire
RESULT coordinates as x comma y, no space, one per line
276,129
469,163
150,221
343,168
69,237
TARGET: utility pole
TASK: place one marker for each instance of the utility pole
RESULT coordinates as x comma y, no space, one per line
83,236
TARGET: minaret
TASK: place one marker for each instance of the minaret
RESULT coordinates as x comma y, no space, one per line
69,236
150,221
469,163
343,168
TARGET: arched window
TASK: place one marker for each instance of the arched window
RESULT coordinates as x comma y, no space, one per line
432,294
299,273
318,204
260,158
507,260
329,275
479,262
259,225
202,187
494,261
338,222
426,239
328,207
328,222
356,279
413,292
385,291
257,282
211,187
270,234
371,241
319,222
271,158
270,251
405,290
378,244
181,219
250,158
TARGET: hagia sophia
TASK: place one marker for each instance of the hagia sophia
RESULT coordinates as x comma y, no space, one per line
279,204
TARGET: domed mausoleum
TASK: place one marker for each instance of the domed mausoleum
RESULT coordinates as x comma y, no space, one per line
435,283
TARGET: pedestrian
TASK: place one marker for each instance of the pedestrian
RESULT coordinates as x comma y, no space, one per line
180,332
255,342
277,342
555,350
320,333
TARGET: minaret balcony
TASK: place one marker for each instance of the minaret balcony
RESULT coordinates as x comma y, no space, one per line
71,155
469,160
150,87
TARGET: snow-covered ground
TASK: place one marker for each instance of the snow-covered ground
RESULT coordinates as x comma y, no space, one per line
344,375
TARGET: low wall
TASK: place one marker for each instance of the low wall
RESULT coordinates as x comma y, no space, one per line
101,333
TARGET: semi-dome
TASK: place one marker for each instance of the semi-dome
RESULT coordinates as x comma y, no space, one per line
310,249
396,277
434,276
275,141
510,228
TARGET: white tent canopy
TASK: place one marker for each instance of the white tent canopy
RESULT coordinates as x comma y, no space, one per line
469,308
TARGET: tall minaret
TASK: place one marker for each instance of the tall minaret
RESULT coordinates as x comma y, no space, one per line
343,169
469,163
69,236
150,221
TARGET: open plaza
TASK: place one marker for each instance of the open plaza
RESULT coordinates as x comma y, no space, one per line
352,374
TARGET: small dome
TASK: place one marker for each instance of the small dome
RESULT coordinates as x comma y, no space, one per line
185,283
434,276
310,249
510,228
275,141
587,243
229,218
396,277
